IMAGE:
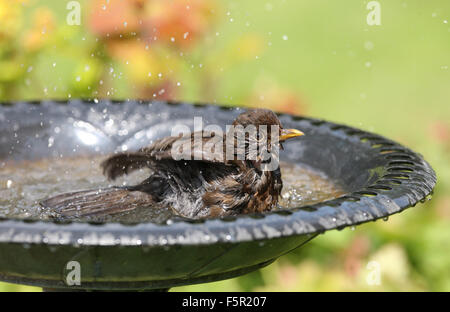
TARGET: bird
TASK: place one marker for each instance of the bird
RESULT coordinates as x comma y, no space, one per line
198,182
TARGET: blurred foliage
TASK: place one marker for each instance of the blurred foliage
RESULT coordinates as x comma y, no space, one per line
306,57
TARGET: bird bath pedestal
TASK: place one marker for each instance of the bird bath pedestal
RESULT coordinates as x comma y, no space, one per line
380,178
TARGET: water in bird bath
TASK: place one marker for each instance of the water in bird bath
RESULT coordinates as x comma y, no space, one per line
24,184
303,186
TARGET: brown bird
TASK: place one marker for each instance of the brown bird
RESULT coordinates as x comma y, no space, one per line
209,180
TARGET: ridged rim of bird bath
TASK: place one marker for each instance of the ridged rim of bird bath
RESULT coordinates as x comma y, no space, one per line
405,179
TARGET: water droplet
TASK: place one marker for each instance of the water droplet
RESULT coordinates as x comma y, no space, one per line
285,37
51,140
368,45
426,198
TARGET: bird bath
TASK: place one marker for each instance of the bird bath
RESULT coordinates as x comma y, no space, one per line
375,178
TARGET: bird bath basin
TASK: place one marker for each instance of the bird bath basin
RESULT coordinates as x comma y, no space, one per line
376,177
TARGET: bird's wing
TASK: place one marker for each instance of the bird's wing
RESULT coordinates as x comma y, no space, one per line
124,163
199,146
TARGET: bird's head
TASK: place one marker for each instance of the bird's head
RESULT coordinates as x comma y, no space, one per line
262,129
265,117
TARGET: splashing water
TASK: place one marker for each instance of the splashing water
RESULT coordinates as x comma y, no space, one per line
24,184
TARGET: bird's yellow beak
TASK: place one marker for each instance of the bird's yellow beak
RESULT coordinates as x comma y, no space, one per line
290,133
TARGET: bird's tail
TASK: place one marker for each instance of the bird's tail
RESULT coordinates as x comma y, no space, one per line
96,203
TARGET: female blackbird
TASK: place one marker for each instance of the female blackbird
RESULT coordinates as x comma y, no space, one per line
206,182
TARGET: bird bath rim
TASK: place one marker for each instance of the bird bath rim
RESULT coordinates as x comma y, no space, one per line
405,180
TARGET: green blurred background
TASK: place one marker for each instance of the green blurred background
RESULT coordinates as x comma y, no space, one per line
318,58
